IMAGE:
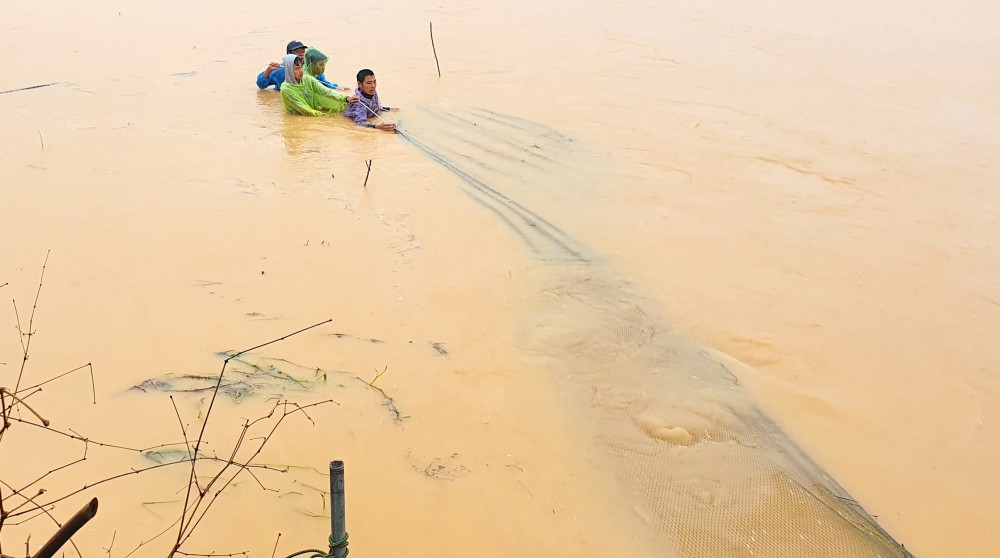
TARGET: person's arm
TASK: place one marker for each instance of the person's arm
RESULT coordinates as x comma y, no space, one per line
295,104
357,112
332,93
322,79
305,109
264,78
360,113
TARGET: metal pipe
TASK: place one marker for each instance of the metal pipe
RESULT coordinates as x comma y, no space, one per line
338,524
67,530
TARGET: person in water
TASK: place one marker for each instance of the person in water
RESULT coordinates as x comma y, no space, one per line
315,65
302,93
274,74
367,104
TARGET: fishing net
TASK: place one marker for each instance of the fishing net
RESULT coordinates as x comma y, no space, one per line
702,465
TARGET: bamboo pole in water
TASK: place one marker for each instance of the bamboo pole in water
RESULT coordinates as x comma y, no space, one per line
68,529
338,523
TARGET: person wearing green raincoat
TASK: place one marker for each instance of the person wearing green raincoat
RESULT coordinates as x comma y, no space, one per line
302,94
316,65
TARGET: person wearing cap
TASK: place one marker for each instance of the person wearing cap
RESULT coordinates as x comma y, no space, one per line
274,74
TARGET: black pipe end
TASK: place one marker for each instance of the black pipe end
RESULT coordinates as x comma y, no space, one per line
336,466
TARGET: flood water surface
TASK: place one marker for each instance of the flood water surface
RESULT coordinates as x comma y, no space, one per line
629,268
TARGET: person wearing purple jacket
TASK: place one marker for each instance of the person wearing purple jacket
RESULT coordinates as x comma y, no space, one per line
367,104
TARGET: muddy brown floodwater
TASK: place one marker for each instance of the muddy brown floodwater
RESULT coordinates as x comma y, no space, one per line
596,196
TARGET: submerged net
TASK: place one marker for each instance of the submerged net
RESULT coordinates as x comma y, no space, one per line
703,465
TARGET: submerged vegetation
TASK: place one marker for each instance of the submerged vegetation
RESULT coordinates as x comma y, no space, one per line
28,503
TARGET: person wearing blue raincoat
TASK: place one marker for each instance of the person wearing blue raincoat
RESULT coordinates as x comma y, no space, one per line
274,74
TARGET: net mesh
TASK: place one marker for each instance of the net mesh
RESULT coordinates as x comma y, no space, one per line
703,466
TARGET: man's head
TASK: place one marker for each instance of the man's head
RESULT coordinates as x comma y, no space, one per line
315,61
297,68
296,48
366,81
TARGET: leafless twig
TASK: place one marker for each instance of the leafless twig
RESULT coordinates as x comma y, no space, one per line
31,324
275,545
17,507
185,524
112,545
225,478
17,400
93,385
184,434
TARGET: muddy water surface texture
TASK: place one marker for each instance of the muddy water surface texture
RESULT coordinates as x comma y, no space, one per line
636,278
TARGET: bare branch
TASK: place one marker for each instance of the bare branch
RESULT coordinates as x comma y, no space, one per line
262,487
271,342
156,536
304,411
102,481
112,545
275,545
31,322
29,518
204,424
195,507
77,436
27,500
193,521
39,479
184,434
17,318
27,395
92,384
3,409
9,393
3,518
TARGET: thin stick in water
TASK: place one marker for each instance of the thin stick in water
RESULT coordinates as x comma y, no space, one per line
368,164
27,88
435,50
275,545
